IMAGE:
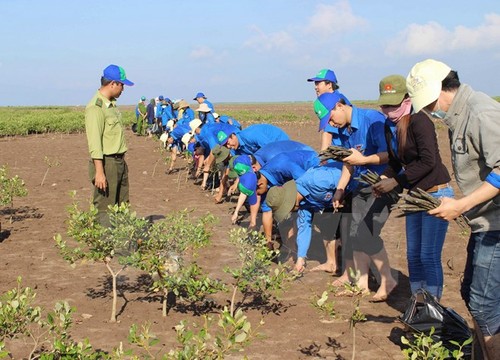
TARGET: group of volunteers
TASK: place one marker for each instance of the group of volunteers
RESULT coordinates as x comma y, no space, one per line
288,183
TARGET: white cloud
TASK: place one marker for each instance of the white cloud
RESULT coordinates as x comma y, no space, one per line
262,42
330,19
202,52
433,38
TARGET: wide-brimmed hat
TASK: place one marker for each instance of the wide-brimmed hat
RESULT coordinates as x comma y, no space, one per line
185,139
194,124
281,199
203,108
220,153
392,90
183,104
424,82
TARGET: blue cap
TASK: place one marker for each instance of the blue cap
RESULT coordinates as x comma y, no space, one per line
324,104
248,185
160,97
116,73
167,100
143,98
200,94
324,74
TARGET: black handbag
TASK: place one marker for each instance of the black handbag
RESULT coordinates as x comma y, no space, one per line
425,312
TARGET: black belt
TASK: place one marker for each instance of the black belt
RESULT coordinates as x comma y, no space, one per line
115,156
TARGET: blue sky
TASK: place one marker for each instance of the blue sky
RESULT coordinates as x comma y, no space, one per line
53,52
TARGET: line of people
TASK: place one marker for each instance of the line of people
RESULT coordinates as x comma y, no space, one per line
286,181
280,178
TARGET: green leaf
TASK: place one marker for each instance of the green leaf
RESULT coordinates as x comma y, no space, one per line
240,337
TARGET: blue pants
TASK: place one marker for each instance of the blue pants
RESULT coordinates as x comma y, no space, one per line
425,236
481,285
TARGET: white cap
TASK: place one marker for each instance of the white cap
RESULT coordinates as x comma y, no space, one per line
424,82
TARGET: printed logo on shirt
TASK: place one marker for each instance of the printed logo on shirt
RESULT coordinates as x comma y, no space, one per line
328,196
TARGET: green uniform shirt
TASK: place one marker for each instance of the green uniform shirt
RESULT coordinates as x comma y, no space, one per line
104,127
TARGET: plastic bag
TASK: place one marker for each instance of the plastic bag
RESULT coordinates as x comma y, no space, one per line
425,313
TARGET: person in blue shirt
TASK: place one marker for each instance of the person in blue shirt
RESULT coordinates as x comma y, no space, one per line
362,131
206,137
311,193
175,141
325,81
226,119
202,99
252,138
205,114
185,114
158,108
166,112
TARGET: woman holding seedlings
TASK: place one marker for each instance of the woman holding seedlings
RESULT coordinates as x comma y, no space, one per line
415,164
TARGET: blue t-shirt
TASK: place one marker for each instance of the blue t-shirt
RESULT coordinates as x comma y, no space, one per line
269,151
229,120
187,116
179,131
366,135
256,136
208,134
289,166
317,186
285,167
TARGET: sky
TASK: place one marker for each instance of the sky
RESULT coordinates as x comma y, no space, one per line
54,52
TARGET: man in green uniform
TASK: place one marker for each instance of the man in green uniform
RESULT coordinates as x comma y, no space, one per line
106,139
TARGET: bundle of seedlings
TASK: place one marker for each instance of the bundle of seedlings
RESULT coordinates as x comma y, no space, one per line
419,200
333,152
371,178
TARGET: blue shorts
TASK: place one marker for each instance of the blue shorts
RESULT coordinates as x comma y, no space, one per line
481,285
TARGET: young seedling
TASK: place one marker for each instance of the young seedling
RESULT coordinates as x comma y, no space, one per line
163,254
49,164
325,307
96,242
10,188
233,333
256,275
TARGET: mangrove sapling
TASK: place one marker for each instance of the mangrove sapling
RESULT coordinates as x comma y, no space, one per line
49,164
10,188
325,308
164,255
49,335
255,275
232,333
99,243
356,315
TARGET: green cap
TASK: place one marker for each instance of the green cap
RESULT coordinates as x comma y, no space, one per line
221,153
281,199
392,90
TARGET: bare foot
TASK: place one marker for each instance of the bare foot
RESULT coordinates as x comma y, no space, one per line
384,291
341,280
326,267
300,265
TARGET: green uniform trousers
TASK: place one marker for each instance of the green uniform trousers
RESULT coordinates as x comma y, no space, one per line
116,171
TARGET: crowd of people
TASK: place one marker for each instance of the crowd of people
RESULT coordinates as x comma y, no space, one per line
289,185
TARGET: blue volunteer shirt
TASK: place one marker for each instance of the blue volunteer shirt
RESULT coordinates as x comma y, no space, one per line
269,151
187,116
179,131
285,167
230,120
289,166
208,134
256,136
206,118
317,186
210,105
366,135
